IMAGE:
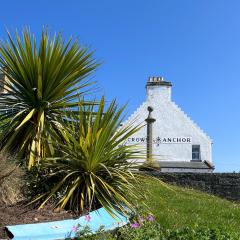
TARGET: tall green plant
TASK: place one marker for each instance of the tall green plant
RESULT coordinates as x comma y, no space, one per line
43,79
94,167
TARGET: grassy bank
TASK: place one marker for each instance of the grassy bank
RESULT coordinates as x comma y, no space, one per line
176,207
180,214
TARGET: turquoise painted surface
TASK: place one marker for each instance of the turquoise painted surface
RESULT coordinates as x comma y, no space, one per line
61,229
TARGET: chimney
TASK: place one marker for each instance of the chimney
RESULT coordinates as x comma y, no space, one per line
159,89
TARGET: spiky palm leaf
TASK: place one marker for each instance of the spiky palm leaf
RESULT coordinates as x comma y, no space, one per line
43,79
94,165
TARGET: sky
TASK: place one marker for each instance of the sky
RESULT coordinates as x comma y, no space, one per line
193,44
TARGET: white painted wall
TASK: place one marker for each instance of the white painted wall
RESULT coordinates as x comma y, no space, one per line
171,122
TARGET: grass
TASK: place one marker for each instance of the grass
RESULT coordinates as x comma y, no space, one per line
176,207
181,214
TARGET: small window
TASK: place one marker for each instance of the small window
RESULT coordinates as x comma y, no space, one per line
196,152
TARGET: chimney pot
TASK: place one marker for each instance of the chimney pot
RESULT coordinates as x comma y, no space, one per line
157,87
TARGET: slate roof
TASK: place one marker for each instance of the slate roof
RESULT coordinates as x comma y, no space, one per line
188,165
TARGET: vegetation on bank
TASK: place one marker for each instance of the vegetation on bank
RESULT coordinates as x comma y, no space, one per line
154,231
179,214
175,207
71,150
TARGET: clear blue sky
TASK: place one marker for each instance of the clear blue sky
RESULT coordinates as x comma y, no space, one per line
195,44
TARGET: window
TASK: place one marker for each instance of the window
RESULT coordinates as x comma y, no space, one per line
196,152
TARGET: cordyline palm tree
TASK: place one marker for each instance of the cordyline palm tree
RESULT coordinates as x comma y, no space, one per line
43,79
94,166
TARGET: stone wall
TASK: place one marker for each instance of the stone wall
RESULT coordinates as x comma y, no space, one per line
225,185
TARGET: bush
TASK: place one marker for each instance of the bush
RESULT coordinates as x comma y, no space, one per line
93,167
11,180
44,77
36,183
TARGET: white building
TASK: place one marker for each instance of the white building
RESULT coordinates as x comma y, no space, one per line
179,145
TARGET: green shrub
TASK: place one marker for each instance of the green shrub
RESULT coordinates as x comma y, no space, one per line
36,183
93,167
44,77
